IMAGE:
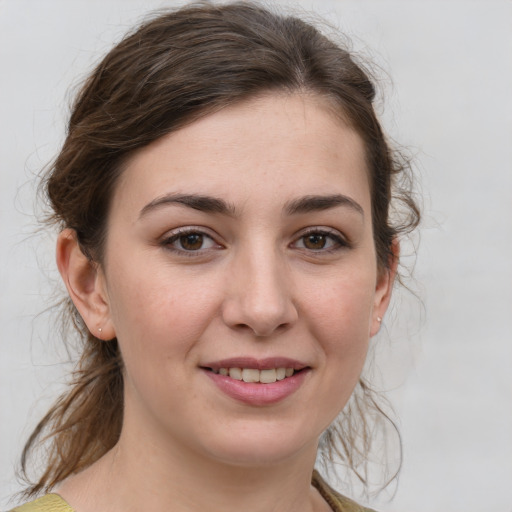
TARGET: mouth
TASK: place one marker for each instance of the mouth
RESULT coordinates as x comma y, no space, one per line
257,382
257,371
253,375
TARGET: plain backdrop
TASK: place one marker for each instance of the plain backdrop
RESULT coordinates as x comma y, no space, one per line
445,357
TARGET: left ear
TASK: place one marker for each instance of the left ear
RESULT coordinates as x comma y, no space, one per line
383,289
86,286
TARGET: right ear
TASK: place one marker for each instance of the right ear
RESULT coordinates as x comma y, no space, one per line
85,282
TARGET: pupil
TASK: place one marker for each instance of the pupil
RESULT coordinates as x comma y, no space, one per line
315,241
192,241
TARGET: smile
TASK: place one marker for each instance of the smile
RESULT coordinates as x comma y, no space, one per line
255,381
267,376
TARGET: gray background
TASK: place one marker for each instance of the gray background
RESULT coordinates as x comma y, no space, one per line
444,358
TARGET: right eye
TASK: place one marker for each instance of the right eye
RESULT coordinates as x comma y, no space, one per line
189,241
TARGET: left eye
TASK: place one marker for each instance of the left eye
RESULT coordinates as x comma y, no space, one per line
190,241
319,241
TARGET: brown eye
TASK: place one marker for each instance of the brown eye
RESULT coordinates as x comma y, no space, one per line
321,241
191,241
315,241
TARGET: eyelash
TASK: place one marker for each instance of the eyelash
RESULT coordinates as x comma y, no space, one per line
338,241
168,242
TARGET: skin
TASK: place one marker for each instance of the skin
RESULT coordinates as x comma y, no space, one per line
253,285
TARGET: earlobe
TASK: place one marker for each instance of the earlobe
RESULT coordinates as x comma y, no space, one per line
85,283
384,288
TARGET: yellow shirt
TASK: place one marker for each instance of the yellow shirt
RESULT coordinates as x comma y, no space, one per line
48,503
337,502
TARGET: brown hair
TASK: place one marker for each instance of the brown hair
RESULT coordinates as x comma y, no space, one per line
170,71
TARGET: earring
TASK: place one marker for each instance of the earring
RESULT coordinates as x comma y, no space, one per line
379,319
99,329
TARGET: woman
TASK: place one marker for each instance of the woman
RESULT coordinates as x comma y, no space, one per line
223,198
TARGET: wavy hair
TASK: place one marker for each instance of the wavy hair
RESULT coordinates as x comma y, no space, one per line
168,72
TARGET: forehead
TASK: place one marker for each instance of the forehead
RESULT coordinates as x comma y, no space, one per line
277,145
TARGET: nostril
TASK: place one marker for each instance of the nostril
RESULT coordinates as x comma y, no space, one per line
270,331
263,309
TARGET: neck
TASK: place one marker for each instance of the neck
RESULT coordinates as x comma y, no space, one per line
136,476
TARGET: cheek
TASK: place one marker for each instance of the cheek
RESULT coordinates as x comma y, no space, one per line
159,321
342,328
339,317
345,303
159,316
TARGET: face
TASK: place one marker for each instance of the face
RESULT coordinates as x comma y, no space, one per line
241,247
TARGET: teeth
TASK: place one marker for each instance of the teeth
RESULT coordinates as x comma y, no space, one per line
268,376
235,373
253,375
250,375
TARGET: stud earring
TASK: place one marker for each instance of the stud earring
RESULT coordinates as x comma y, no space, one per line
99,329
379,319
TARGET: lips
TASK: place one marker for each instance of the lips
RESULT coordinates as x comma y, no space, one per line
257,364
257,381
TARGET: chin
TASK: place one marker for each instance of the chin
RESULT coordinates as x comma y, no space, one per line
251,449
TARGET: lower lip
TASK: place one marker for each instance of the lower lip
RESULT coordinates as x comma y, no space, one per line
255,393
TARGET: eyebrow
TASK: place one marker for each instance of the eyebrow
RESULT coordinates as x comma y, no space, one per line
199,202
314,203
209,204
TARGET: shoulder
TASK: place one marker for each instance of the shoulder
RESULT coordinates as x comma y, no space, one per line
47,503
337,501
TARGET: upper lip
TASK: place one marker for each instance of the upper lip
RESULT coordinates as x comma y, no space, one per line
257,364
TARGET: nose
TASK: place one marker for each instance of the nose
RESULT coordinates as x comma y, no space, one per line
259,294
